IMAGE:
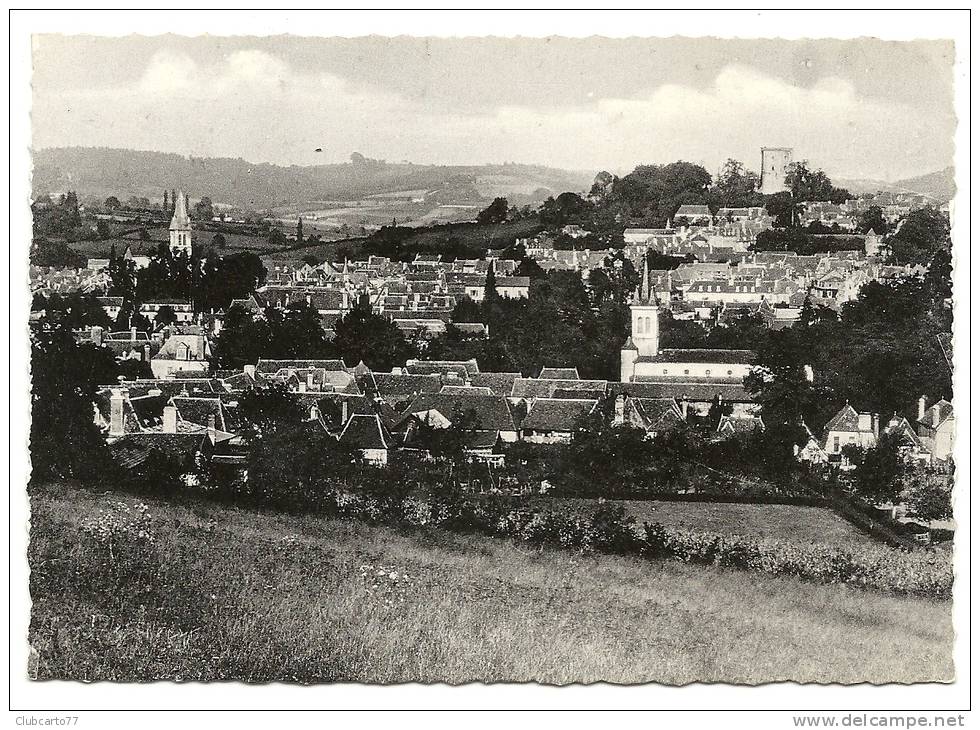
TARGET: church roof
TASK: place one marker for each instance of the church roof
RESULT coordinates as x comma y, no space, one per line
700,392
739,357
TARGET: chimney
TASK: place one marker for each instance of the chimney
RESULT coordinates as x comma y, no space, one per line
343,412
302,386
170,419
146,353
96,335
116,421
922,408
212,430
875,423
132,334
620,414
684,407
250,371
314,412
309,380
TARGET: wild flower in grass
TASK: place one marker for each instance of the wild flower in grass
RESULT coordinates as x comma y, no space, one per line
119,524
385,584
416,511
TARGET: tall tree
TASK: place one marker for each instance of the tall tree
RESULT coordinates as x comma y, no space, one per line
363,335
496,212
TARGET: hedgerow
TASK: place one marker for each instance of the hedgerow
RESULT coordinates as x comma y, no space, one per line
611,530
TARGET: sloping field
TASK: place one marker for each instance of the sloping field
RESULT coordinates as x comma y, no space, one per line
211,592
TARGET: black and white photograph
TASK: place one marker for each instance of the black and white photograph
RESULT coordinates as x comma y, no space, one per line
441,358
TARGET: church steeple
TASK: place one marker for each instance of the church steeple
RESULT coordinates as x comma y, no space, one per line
180,227
645,295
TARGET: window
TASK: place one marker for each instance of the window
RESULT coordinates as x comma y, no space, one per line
665,372
707,372
836,444
687,372
729,372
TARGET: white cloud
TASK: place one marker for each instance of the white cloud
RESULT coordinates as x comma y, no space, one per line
167,73
253,105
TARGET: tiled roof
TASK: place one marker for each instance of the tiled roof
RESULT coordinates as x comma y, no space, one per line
470,365
937,414
265,366
148,409
847,419
197,410
464,390
578,394
739,357
134,448
731,424
428,368
498,383
654,411
239,381
559,373
364,431
491,411
390,384
196,348
538,388
548,414
700,392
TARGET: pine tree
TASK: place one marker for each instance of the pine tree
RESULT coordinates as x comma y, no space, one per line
299,230
166,204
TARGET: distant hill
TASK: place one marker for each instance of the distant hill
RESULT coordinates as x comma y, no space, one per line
939,185
100,172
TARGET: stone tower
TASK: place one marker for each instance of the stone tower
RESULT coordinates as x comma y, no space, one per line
775,161
180,227
644,339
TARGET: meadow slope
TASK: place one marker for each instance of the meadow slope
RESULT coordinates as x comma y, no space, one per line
224,593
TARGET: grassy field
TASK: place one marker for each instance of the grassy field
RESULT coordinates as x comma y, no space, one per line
223,593
233,242
779,521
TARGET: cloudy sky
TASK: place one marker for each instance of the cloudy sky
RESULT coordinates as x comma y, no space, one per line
860,108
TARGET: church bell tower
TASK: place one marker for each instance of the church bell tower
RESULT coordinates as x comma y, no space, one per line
644,340
180,227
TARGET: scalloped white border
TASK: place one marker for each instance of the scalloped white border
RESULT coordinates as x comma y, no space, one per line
61,696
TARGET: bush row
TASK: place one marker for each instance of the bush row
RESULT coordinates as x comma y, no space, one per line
611,530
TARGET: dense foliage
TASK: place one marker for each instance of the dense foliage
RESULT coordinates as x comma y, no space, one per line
65,442
292,332
881,354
